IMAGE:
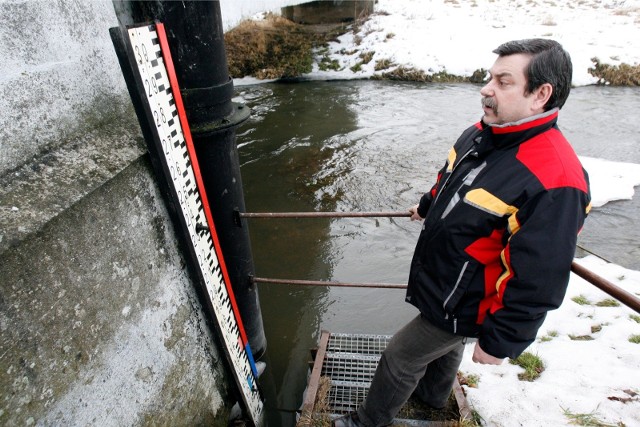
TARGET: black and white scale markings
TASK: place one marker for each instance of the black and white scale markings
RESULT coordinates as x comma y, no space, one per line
150,49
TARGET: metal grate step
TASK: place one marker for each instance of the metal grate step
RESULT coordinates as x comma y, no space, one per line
349,362
349,367
358,343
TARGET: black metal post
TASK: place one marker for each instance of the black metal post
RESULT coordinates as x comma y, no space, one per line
196,40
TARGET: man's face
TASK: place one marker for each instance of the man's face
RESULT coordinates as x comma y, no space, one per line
504,97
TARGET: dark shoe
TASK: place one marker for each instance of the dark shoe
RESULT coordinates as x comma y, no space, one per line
417,401
349,420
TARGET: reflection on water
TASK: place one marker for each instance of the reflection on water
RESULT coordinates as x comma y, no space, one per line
369,146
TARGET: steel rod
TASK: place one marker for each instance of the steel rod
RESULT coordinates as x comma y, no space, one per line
326,283
618,293
621,295
322,214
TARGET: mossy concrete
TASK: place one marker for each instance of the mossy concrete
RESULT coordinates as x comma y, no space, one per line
100,323
38,191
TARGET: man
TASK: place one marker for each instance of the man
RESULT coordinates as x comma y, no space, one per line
498,238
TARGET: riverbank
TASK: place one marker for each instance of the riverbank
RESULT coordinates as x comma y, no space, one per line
443,41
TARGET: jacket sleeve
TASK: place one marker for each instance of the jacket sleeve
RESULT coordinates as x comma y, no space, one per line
425,202
427,198
536,267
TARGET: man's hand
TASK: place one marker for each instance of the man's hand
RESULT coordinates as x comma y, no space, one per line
479,356
415,216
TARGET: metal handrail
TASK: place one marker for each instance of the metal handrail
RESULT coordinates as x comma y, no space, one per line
328,283
616,292
322,214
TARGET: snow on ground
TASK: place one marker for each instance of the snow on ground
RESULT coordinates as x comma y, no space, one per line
610,181
581,376
457,36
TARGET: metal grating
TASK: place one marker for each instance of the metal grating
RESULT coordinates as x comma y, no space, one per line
358,343
349,361
345,396
349,367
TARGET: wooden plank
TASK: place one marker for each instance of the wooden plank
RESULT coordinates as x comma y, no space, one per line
314,378
461,399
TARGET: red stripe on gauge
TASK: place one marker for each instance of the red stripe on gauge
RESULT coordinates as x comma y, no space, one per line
166,54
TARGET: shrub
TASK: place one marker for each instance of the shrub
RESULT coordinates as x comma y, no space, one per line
615,75
383,64
273,48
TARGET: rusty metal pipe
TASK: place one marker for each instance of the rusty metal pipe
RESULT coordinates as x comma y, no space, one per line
618,293
599,282
326,283
621,295
322,214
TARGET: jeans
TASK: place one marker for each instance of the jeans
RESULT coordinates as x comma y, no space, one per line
420,358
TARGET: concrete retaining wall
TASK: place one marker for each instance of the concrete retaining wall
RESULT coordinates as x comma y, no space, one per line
100,324
59,75
234,11
328,11
58,78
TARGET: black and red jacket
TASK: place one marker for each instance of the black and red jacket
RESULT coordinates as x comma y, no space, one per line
500,232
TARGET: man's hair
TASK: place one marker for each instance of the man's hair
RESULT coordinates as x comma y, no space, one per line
550,63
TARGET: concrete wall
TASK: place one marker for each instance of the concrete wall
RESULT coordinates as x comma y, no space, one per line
100,323
328,11
58,75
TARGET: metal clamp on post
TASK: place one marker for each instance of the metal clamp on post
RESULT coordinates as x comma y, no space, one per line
237,218
201,101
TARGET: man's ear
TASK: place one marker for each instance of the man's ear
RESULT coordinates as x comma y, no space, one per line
542,95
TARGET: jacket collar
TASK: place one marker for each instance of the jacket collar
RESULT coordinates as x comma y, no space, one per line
510,134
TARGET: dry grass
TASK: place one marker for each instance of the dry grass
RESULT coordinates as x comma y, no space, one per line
615,75
320,416
274,47
416,410
402,73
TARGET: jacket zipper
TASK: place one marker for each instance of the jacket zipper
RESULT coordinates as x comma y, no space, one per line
446,181
441,190
464,268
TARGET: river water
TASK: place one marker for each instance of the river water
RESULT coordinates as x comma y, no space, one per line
376,146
